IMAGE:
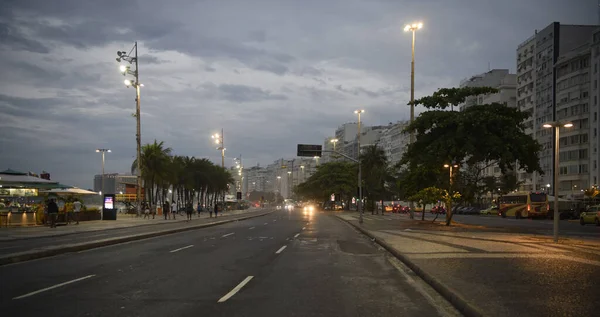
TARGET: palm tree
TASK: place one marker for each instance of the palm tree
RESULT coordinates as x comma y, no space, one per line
375,168
155,158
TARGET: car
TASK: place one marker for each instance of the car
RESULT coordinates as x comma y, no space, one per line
309,209
591,215
492,210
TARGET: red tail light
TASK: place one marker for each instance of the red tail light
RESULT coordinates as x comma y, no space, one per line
548,207
528,207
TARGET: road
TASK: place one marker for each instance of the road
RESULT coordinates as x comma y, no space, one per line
282,264
541,226
537,226
40,243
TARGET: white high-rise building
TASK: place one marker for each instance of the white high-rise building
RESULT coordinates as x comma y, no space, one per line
394,142
505,82
537,90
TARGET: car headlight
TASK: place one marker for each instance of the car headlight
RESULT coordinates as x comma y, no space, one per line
311,208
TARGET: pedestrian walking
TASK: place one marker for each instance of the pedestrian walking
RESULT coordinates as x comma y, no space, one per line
166,209
76,210
210,211
174,209
189,210
146,211
53,212
199,209
216,210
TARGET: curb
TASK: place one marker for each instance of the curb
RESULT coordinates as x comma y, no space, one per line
449,294
38,254
71,233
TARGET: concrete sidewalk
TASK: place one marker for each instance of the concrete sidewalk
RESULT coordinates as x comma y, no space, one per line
490,273
123,221
46,243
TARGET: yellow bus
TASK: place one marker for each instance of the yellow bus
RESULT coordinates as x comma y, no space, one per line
524,205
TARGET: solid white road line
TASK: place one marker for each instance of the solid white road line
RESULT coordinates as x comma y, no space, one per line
235,289
250,228
189,246
227,235
296,236
55,286
281,249
266,223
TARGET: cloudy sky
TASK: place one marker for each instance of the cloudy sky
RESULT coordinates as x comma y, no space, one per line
271,73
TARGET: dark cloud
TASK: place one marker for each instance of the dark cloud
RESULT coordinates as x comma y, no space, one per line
273,68
282,66
12,39
241,93
150,59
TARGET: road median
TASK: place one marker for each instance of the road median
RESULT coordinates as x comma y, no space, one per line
76,247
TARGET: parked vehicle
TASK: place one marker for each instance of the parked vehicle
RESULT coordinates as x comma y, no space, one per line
591,215
492,210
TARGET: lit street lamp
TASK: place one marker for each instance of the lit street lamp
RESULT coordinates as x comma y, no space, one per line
125,70
219,140
360,205
334,141
556,125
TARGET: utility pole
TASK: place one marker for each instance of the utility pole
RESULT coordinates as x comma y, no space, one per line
124,56
138,131
360,199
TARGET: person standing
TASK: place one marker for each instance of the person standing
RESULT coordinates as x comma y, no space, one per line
199,209
216,210
76,210
189,210
53,212
166,209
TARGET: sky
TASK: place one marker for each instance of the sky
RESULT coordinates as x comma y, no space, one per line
270,73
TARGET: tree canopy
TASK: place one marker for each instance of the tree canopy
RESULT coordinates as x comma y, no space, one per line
187,177
478,135
334,177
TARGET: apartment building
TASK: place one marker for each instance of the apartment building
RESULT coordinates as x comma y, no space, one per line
537,91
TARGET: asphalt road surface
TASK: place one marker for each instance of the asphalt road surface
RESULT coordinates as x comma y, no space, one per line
541,226
282,264
38,243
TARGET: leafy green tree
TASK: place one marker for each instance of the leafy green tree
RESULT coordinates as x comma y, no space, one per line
428,196
479,134
375,176
334,177
508,182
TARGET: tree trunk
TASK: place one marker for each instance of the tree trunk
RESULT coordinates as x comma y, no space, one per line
423,213
449,213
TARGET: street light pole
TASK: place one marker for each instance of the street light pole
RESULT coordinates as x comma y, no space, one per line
413,28
103,151
556,125
222,148
360,206
124,56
